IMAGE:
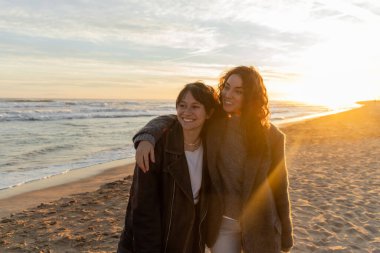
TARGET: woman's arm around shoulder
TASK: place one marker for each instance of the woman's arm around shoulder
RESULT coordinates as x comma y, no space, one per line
146,138
154,129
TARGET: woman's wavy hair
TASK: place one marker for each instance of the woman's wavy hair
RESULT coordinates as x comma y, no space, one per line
255,110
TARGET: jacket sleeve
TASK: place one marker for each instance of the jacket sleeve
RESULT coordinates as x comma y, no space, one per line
280,184
146,206
154,129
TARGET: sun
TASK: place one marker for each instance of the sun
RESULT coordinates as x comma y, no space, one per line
338,72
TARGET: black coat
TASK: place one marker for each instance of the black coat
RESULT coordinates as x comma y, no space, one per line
161,212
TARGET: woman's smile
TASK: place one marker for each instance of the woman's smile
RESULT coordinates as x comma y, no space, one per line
232,95
191,113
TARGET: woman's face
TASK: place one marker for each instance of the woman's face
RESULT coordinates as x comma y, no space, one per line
232,95
191,113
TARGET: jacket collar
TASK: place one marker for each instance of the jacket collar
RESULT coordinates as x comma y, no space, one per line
255,170
214,135
174,139
177,164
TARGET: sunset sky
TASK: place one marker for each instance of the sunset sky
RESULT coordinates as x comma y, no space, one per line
324,51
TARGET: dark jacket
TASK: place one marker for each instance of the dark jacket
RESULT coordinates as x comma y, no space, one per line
162,211
265,221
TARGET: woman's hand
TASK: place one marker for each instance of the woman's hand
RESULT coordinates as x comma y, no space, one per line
144,153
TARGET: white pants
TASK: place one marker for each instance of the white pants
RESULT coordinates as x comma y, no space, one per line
229,237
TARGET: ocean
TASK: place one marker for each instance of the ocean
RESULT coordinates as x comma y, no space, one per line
43,138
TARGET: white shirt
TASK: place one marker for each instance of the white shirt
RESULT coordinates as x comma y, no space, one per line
195,162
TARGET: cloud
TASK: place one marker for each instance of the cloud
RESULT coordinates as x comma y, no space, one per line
97,23
171,42
189,29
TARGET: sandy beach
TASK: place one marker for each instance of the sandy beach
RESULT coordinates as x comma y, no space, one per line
334,173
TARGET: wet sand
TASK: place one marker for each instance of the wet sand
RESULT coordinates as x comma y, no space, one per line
334,173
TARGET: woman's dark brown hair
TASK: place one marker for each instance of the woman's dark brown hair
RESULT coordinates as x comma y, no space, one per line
204,94
255,111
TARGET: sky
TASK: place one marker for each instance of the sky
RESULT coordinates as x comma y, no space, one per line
323,51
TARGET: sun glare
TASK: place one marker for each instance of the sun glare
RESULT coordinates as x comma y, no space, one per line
338,72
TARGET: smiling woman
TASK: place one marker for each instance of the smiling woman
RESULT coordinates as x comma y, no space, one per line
232,95
191,113
177,180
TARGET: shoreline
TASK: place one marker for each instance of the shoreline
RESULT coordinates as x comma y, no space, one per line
88,179
288,122
63,178
98,174
93,170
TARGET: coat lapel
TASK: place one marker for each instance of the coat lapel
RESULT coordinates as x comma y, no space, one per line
177,163
214,137
255,171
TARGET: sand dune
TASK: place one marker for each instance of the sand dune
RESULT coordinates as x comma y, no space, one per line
334,169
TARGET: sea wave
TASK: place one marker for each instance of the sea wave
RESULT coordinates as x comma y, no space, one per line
48,149
4,118
48,110
29,174
25,100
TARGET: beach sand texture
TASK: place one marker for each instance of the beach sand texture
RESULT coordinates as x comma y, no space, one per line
334,165
334,171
